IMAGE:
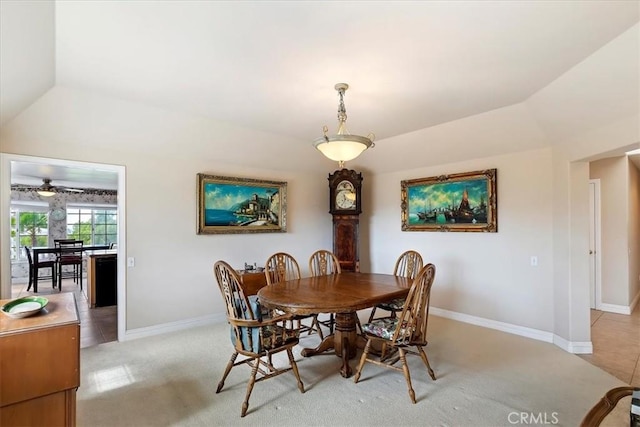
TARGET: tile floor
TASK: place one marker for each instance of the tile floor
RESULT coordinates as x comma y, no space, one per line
615,337
616,344
97,325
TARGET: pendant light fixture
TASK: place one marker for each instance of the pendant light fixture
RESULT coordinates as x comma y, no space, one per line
342,146
46,189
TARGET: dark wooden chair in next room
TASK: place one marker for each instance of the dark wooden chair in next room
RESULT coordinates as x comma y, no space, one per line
42,263
70,254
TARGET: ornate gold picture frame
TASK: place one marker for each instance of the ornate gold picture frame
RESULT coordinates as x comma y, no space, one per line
241,205
456,202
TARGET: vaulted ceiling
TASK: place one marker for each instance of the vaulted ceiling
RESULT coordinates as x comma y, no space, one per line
272,66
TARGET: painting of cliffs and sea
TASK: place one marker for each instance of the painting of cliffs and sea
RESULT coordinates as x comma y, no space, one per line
240,205
456,202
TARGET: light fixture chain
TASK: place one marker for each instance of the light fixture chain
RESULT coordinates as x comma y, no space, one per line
342,111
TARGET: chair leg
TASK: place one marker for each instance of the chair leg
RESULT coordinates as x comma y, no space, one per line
252,381
80,277
315,324
407,375
363,359
53,277
30,278
332,323
423,356
227,370
294,367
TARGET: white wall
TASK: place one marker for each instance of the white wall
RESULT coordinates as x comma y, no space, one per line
27,54
162,152
633,234
486,275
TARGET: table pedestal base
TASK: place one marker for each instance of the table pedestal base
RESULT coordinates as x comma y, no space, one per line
345,341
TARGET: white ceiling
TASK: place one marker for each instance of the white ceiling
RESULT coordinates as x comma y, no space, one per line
31,174
272,66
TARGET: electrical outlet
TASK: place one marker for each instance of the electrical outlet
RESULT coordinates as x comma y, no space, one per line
534,261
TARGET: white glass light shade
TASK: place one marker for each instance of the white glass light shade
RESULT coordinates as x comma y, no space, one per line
46,193
342,147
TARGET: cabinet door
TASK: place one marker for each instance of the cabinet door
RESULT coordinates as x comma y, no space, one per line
39,362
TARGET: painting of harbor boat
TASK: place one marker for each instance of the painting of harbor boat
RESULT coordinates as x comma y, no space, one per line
240,205
456,202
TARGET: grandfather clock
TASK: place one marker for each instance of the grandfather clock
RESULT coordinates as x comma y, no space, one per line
345,205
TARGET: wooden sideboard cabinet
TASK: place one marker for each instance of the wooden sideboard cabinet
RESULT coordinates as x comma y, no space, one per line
252,281
40,365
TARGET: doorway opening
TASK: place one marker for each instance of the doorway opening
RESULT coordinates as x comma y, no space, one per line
9,163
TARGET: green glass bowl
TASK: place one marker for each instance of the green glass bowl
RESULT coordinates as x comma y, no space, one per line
24,307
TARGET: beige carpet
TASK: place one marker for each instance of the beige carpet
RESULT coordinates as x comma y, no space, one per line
484,378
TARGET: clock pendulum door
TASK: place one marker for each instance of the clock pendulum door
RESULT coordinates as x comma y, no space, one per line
345,241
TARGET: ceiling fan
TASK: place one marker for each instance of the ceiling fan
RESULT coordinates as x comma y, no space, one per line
48,190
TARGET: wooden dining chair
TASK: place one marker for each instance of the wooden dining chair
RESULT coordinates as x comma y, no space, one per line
607,404
407,265
406,333
254,338
324,263
281,267
42,263
70,254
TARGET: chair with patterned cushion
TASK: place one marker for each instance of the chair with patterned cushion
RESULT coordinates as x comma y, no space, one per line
403,334
254,338
281,267
408,265
324,263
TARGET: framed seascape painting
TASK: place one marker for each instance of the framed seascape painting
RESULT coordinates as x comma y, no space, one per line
241,205
457,202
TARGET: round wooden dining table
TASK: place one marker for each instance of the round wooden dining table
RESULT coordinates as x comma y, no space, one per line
342,294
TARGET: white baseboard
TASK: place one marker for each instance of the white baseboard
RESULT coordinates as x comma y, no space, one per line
585,347
614,308
535,334
173,326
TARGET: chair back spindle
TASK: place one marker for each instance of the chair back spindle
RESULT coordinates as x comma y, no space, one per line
408,264
324,263
281,267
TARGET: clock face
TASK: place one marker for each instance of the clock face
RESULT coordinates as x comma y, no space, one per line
345,196
58,214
